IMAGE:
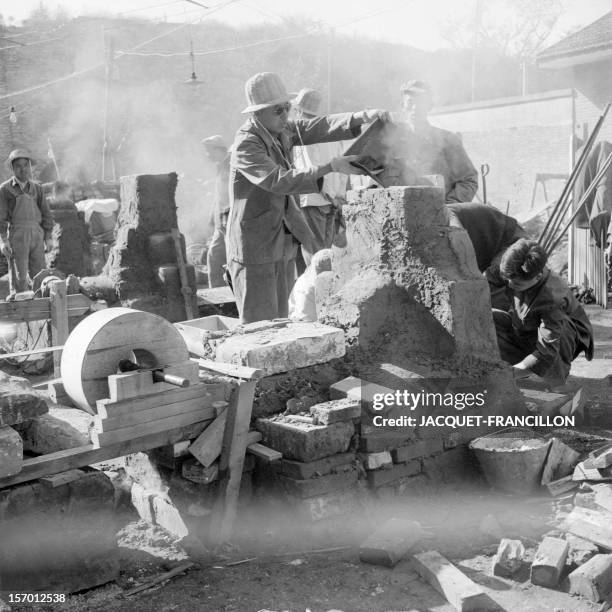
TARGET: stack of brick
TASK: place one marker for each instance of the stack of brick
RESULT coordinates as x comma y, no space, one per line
318,472
400,458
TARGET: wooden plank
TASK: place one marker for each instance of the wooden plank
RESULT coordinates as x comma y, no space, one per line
231,369
139,383
231,461
209,443
549,562
211,392
264,453
144,417
40,308
253,437
57,480
59,320
81,456
459,590
137,431
560,461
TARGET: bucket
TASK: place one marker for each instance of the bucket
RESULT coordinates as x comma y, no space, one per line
512,459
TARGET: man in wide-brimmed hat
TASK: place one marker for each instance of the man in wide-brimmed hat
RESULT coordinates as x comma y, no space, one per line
26,222
265,222
432,150
323,211
216,151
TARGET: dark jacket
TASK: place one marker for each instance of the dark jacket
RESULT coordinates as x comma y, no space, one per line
542,311
262,180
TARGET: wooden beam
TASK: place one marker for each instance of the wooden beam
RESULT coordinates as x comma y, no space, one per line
231,461
266,454
40,308
60,461
209,443
231,369
59,320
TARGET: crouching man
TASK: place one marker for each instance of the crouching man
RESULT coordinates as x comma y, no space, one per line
546,328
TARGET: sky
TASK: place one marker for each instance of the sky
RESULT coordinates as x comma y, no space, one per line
414,22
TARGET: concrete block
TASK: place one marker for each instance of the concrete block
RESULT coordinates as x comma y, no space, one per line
580,550
593,580
283,349
378,478
549,562
347,387
384,439
417,450
336,410
303,441
327,465
11,452
375,461
167,515
390,542
314,487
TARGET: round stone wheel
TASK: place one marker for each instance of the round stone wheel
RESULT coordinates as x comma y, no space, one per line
98,343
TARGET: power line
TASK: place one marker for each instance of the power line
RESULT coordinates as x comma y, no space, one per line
32,44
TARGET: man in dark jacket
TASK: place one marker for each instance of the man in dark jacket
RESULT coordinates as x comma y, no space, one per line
546,328
491,233
265,223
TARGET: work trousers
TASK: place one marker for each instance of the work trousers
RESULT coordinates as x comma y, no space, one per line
322,222
262,290
514,347
28,245
216,259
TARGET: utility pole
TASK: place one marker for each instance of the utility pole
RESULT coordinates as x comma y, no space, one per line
109,50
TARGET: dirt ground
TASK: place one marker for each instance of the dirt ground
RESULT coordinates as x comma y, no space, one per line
277,563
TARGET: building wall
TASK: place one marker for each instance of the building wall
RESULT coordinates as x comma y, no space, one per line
518,138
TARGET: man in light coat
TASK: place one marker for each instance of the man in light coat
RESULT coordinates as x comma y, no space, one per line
431,150
265,222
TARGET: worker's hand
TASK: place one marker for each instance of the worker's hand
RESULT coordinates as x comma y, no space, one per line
519,371
48,245
343,165
6,250
372,114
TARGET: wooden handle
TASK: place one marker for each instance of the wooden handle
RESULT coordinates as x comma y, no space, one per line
171,379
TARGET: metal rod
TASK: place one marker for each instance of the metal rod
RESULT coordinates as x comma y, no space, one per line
572,179
582,202
45,349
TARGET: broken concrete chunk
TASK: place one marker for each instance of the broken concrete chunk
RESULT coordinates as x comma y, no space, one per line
11,452
390,542
580,550
459,590
593,580
303,441
376,461
508,559
549,562
336,410
600,458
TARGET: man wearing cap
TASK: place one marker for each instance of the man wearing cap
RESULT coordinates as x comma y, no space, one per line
265,223
322,210
216,151
431,150
26,222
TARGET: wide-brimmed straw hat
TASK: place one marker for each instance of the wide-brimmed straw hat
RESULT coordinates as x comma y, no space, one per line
263,90
308,101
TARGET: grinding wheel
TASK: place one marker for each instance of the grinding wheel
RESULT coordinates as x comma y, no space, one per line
99,342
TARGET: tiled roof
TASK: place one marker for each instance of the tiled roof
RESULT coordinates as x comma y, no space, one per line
596,36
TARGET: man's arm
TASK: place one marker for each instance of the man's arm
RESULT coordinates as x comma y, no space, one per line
464,176
4,219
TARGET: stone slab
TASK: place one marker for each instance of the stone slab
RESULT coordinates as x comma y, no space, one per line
376,461
390,542
327,465
383,439
593,580
11,452
297,345
314,487
334,411
549,562
417,450
303,441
